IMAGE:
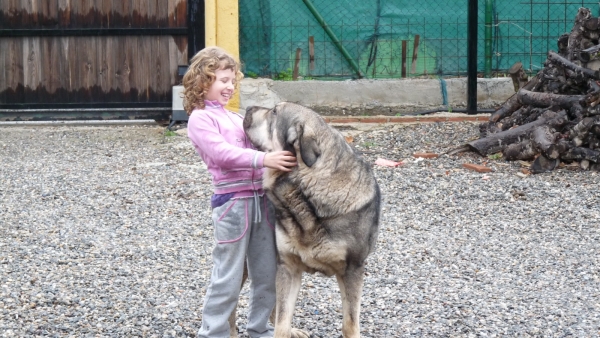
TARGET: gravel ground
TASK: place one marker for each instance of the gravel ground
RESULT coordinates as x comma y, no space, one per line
106,231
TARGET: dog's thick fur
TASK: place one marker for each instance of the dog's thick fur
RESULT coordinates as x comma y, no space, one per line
327,208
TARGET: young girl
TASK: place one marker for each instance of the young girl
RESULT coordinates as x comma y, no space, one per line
242,217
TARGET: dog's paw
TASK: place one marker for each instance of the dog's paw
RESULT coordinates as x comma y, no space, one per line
297,333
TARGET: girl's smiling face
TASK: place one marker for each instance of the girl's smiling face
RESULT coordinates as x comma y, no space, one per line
222,88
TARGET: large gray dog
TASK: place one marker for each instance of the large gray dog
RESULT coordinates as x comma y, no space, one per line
327,208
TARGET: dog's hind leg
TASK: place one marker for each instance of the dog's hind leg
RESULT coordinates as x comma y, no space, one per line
288,283
351,284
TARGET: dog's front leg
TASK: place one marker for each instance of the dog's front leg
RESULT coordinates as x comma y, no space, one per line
351,284
288,282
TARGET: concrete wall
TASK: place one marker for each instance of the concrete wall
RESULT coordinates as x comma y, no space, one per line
373,97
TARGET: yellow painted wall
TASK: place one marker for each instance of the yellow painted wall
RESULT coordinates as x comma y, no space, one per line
222,29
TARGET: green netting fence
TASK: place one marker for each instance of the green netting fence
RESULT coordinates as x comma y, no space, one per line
343,39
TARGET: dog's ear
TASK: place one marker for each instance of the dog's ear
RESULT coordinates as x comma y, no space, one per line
309,147
286,136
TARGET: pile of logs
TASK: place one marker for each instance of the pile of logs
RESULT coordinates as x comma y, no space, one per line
555,116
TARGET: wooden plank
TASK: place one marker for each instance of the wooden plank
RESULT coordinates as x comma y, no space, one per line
46,69
64,13
15,14
181,13
75,18
48,13
413,67
35,12
123,70
4,14
3,68
112,52
182,48
165,69
14,71
100,18
152,13
132,54
102,9
139,13
95,71
104,57
311,52
116,15
161,64
74,59
32,67
172,11
297,64
66,72
86,17
162,13
177,44
77,12
83,73
173,61
56,73
125,13
33,9
134,75
146,78
10,68
26,8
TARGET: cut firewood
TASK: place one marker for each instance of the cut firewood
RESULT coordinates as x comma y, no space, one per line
498,141
524,150
512,103
592,53
562,146
518,75
554,57
592,141
543,164
556,115
583,15
581,153
517,118
581,129
544,138
527,97
563,43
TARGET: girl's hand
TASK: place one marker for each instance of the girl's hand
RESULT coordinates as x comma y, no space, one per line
280,160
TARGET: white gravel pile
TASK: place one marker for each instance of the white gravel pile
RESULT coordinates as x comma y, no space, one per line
106,231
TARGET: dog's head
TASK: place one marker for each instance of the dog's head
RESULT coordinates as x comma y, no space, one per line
287,126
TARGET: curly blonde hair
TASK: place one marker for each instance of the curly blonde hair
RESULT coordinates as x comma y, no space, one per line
201,75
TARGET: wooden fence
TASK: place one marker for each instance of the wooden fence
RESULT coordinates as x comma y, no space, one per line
111,55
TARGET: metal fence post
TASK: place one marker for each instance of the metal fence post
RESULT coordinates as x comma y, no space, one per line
472,58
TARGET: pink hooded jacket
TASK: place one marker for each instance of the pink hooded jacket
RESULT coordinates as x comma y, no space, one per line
219,138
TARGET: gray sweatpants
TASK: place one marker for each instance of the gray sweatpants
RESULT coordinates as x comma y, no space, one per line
242,233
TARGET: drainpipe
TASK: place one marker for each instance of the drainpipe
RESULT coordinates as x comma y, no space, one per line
334,38
488,38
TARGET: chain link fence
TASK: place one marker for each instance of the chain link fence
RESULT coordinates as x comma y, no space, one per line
323,39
